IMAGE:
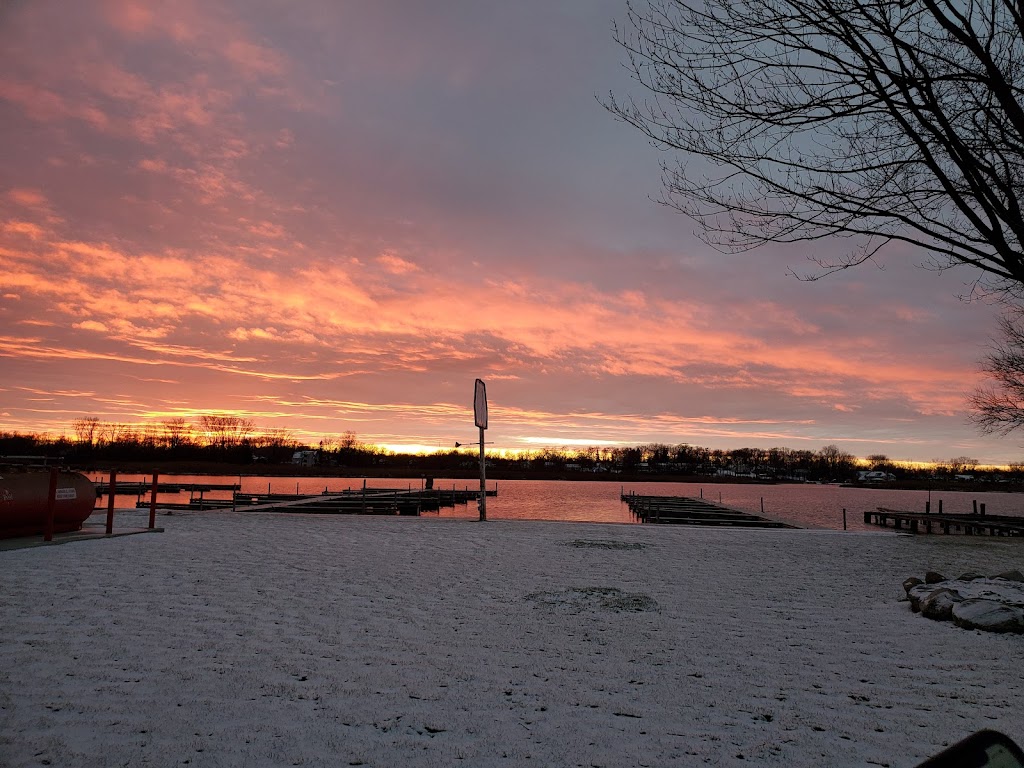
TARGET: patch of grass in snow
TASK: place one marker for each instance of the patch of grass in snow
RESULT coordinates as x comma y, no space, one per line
603,544
579,599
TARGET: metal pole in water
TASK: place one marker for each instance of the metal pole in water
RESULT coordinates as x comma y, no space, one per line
483,479
844,518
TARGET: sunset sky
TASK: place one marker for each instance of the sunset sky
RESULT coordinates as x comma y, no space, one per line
333,215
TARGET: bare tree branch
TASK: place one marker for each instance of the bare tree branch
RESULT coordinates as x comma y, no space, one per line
800,120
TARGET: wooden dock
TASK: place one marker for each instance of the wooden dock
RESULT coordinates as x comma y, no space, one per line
368,501
685,510
966,524
132,487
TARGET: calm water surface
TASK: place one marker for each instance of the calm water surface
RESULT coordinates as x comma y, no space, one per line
816,506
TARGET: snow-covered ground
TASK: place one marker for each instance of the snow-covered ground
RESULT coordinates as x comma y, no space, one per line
255,639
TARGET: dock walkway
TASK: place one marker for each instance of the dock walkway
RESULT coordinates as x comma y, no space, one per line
689,511
967,524
138,488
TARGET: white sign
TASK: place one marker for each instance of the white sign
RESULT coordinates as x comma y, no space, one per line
480,404
66,494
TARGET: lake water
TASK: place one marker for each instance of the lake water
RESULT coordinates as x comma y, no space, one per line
814,506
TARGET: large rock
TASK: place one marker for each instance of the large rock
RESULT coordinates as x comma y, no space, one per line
939,604
989,615
910,583
973,601
918,593
933,577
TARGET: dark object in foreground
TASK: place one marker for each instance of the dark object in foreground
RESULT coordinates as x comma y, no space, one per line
24,501
984,749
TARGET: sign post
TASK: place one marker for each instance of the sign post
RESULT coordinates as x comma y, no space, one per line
480,418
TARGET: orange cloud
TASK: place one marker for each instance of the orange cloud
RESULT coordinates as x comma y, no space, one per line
396,265
26,228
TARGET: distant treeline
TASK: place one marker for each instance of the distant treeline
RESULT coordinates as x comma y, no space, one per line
231,440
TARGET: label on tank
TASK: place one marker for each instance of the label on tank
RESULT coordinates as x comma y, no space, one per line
64,494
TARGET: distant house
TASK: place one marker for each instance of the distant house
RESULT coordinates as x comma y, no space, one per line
875,476
304,458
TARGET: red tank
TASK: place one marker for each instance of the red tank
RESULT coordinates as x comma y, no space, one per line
24,496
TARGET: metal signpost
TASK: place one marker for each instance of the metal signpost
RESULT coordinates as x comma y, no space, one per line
480,418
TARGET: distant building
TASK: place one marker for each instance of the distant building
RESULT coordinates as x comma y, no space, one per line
875,476
304,458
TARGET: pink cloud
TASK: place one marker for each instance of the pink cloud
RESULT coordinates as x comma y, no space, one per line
29,198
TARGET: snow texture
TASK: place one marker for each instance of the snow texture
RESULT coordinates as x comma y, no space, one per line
268,640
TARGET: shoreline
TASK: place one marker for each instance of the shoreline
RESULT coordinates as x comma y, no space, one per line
287,470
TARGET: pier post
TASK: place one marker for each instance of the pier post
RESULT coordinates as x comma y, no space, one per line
844,518
975,502
110,501
152,501
940,506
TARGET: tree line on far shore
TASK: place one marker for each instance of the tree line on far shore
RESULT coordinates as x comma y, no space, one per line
219,439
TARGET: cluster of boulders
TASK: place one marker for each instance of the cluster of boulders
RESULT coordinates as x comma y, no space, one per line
973,601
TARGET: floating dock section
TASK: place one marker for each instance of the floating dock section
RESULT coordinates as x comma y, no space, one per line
689,511
967,524
362,501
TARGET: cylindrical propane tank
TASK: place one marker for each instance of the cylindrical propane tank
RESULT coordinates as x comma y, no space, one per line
24,496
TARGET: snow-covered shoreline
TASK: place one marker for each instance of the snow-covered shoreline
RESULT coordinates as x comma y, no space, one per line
264,640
